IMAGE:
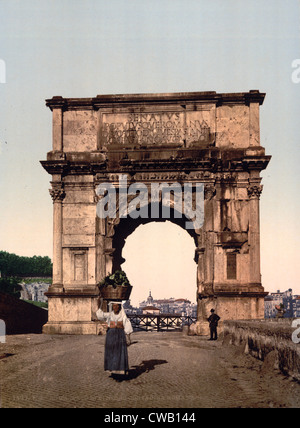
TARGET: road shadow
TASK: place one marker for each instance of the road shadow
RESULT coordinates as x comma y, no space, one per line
136,371
133,343
2,356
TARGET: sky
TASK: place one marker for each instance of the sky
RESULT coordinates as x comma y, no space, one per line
81,48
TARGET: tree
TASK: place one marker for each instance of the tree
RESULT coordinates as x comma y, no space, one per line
10,286
13,265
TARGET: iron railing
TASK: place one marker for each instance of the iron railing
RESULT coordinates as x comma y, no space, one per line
160,322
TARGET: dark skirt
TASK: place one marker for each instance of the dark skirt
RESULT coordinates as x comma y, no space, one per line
116,355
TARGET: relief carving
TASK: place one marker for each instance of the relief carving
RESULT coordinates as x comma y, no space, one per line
209,191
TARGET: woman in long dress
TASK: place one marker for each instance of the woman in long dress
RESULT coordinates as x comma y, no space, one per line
116,355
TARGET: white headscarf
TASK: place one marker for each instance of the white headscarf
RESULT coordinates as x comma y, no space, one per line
111,316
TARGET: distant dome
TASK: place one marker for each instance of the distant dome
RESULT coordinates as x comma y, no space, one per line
150,300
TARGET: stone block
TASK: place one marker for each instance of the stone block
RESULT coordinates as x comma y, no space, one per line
232,128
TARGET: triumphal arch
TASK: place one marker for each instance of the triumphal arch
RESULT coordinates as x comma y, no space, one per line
203,141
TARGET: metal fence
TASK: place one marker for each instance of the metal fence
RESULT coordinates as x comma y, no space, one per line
160,322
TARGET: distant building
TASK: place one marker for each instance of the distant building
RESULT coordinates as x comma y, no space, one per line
34,291
150,299
296,306
270,307
129,309
171,306
150,310
286,300
288,303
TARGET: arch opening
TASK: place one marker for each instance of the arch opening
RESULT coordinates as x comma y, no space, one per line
157,255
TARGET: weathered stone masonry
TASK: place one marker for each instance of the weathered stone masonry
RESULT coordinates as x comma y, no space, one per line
199,137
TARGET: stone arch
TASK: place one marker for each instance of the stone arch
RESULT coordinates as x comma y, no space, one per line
200,137
117,229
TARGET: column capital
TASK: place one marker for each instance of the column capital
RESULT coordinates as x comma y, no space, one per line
57,192
254,191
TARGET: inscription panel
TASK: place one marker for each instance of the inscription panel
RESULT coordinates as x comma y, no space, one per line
180,128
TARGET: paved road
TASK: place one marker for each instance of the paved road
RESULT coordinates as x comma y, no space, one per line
167,370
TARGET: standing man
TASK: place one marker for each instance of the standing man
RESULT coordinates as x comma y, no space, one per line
213,324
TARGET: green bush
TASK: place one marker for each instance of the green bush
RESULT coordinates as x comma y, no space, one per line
38,304
116,279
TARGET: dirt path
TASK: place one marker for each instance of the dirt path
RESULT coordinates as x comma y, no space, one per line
167,370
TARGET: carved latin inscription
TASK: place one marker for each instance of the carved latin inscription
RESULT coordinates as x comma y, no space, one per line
155,128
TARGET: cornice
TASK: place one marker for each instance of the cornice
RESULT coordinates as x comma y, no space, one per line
77,168
213,160
132,100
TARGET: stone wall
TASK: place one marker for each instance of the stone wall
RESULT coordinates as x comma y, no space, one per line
21,317
267,340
